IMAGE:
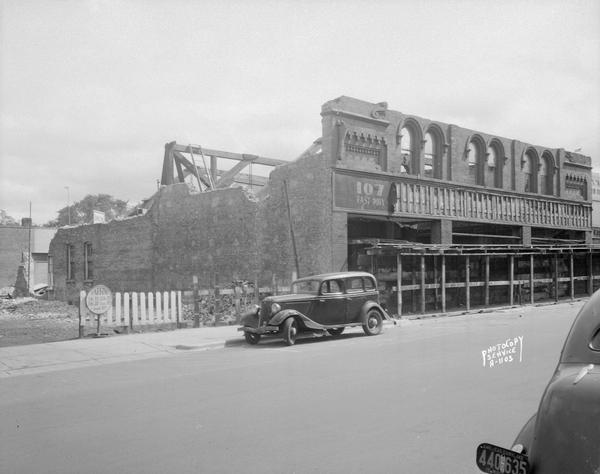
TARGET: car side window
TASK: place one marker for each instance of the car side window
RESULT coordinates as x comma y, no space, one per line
354,285
331,286
369,285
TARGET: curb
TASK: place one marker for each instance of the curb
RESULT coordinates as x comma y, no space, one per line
494,309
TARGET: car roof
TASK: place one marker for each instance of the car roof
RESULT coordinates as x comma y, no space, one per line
336,275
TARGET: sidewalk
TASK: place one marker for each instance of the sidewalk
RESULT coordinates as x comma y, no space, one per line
89,351
38,358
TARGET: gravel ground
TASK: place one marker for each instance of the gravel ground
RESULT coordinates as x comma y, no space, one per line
32,321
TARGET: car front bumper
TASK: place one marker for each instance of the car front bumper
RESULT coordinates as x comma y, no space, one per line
260,330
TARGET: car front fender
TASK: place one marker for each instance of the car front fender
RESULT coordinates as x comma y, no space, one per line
282,315
250,317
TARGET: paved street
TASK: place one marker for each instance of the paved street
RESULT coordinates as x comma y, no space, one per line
415,399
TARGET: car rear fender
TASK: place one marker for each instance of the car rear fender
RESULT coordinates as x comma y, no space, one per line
305,321
525,436
369,305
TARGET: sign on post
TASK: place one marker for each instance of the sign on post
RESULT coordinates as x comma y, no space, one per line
99,300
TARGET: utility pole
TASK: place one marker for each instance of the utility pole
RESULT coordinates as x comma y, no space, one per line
68,203
29,254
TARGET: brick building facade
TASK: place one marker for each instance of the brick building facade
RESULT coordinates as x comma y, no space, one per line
374,174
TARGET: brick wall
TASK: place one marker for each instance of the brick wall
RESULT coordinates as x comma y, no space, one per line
310,206
211,235
13,242
121,256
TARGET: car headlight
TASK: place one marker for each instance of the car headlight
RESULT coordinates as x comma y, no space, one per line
275,308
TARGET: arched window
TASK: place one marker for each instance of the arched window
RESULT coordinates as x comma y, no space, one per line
475,162
491,157
428,163
410,146
495,164
529,165
433,156
406,148
546,181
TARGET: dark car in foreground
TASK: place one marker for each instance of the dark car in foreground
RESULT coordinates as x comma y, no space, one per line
321,304
563,437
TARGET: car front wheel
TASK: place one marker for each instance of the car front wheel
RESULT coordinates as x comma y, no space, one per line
252,338
290,331
374,323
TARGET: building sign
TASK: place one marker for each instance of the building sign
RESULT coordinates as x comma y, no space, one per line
99,299
360,193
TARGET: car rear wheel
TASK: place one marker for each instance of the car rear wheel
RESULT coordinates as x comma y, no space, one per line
335,331
252,338
374,323
290,331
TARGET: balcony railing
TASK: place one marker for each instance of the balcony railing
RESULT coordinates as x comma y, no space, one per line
415,197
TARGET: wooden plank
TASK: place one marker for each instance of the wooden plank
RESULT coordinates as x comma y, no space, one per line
227,178
158,307
590,274
135,315
213,168
467,289
126,312
190,167
422,284
167,177
571,276
443,282
487,280
399,283
511,276
531,286
143,313
261,160
556,278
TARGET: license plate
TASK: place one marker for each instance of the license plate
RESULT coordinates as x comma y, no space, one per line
496,460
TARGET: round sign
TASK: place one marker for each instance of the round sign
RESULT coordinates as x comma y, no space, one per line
99,299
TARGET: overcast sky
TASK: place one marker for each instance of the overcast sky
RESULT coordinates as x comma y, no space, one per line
90,91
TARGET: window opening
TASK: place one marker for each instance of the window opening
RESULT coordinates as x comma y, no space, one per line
428,164
88,261
70,262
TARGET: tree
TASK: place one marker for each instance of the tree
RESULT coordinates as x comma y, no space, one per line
5,219
81,212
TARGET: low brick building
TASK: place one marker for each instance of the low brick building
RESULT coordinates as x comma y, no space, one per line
16,243
374,175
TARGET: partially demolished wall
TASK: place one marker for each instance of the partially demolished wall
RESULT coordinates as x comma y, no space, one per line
218,236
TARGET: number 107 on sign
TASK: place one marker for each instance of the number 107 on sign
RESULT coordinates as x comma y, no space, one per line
368,189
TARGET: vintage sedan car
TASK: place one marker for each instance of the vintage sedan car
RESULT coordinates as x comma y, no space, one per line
564,435
321,304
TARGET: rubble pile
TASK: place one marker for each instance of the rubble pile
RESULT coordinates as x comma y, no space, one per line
32,308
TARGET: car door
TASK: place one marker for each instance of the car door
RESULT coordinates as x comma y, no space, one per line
355,298
330,305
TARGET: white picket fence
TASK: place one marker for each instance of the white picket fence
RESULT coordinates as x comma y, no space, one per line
137,309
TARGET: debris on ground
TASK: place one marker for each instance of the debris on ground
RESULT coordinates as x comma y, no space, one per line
29,321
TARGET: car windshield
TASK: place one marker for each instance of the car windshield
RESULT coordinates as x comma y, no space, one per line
305,286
